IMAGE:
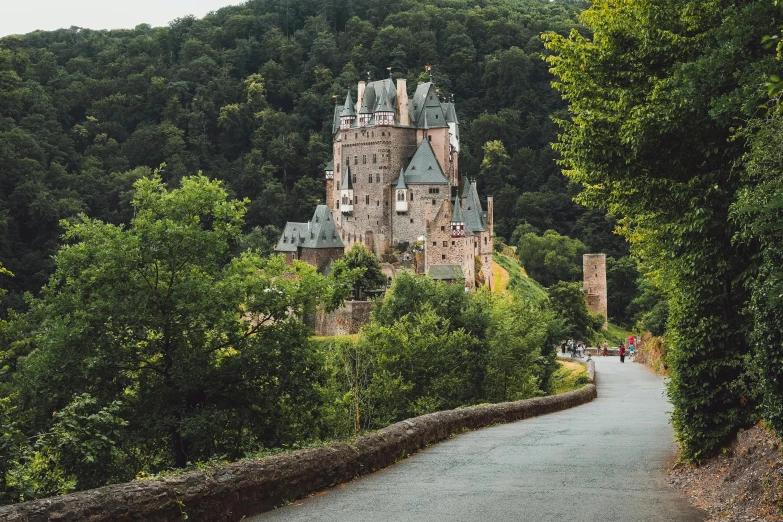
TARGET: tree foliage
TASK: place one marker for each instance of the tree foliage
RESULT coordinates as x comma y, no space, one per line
550,258
654,96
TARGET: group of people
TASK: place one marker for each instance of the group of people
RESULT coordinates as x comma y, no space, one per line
631,348
576,349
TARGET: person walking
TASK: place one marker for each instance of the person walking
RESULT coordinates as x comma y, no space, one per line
631,350
606,348
622,353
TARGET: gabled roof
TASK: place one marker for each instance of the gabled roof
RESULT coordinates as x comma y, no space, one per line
322,233
424,168
319,232
347,183
348,108
292,237
401,181
445,272
425,101
329,165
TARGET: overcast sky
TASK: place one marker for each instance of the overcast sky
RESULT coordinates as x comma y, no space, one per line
23,16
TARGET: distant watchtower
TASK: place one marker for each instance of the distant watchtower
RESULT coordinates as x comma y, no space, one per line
594,270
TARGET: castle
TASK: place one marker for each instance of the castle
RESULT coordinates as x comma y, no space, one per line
393,185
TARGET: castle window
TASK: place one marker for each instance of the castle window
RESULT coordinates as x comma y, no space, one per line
442,229
356,160
433,202
338,168
411,220
370,179
485,240
354,178
337,203
453,243
434,243
374,158
443,257
411,196
347,162
377,177
378,203
364,159
356,200
355,135
400,195
445,243
429,138
367,199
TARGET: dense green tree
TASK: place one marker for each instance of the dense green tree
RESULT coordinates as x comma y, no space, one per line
358,257
568,303
550,258
622,277
654,96
204,350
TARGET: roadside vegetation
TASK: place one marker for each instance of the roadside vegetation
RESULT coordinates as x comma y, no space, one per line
569,376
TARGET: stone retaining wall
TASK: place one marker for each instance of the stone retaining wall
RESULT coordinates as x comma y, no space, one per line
242,489
346,320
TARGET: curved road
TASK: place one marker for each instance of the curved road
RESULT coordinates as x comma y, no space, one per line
603,461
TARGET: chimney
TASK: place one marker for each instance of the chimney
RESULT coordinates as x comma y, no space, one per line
360,96
402,101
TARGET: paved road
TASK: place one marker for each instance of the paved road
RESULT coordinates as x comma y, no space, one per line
603,461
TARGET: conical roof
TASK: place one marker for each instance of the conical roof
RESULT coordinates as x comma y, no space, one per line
457,217
401,180
384,102
348,108
347,183
365,109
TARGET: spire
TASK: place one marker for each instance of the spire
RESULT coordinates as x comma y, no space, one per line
458,217
348,108
347,183
401,181
384,105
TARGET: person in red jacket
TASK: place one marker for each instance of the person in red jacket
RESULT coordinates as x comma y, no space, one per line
622,353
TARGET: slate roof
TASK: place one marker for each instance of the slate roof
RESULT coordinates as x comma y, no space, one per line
445,272
329,165
348,108
475,217
384,102
450,111
319,232
458,216
425,101
292,237
424,168
336,119
401,181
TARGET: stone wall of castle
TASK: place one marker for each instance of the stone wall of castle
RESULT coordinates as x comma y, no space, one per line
408,226
594,272
375,155
320,257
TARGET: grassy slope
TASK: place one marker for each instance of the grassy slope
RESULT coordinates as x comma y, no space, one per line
518,280
568,377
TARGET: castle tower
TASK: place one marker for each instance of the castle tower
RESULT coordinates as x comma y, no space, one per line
594,270
348,114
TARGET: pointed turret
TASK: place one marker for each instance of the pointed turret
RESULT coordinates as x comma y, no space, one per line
364,113
348,114
401,191
457,220
346,193
384,111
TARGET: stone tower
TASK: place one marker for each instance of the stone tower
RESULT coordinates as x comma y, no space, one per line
594,270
